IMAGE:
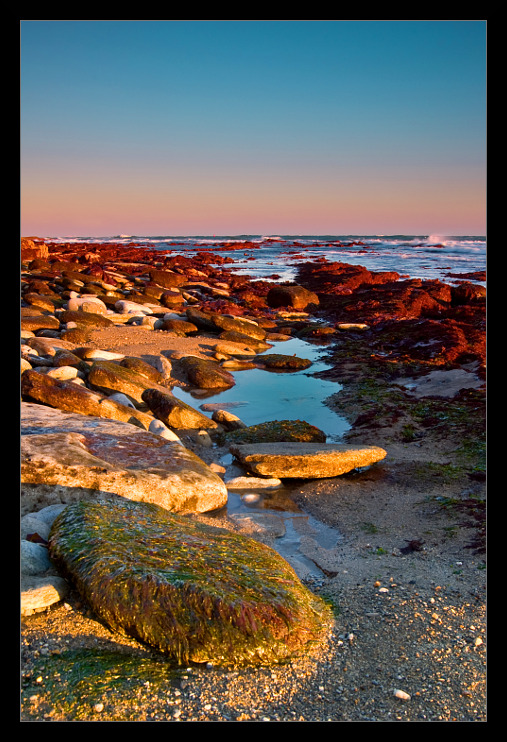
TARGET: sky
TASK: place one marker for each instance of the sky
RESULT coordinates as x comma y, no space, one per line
252,127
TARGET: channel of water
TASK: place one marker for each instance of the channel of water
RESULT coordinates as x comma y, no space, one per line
260,396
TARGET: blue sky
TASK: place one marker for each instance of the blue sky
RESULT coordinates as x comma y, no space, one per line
229,127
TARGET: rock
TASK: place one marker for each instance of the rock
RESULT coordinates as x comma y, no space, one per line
108,377
296,297
123,306
69,457
86,319
194,592
87,303
231,336
468,292
40,523
281,362
175,413
227,419
70,397
179,326
277,430
206,374
34,558
39,593
305,460
253,483
143,368
31,250
163,366
97,354
39,322
239,349
42,302
219,323
166,279
158,427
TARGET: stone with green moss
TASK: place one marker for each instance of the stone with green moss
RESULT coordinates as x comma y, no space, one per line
277,430
280,362
195,592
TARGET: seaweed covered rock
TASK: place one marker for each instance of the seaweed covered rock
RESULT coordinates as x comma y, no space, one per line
195,592
280,362
277,430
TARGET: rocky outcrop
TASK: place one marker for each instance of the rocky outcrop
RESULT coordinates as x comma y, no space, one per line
305,460
194,592
69,457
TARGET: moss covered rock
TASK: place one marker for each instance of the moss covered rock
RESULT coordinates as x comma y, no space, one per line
277,430
195,592
280,362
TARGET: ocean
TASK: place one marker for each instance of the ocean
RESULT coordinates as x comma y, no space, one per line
276,257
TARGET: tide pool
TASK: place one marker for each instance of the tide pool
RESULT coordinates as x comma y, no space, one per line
262,396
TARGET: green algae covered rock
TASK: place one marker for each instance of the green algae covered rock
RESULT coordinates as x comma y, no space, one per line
277,430
195,592
280,362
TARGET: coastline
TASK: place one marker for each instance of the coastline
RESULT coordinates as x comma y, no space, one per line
407,579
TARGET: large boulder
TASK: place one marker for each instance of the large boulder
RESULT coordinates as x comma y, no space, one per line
67,457
305,460
195,592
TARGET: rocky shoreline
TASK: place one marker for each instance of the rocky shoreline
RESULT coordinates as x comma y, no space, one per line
407,581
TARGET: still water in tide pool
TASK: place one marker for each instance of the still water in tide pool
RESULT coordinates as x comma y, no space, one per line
261,396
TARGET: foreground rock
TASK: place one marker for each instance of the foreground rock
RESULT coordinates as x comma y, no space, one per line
305,460
67,457
195,592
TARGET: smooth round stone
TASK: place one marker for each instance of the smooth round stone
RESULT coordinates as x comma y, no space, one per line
34,558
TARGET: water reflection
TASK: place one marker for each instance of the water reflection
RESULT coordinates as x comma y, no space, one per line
262,396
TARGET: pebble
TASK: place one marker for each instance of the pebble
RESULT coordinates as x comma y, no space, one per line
402,695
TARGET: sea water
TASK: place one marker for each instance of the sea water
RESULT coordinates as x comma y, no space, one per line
415,256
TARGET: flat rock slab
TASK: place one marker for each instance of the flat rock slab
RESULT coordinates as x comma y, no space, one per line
305,460
66,457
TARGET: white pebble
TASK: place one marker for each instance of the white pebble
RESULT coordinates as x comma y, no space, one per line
402,695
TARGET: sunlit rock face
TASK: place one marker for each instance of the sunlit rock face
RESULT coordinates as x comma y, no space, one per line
67,457
305,460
